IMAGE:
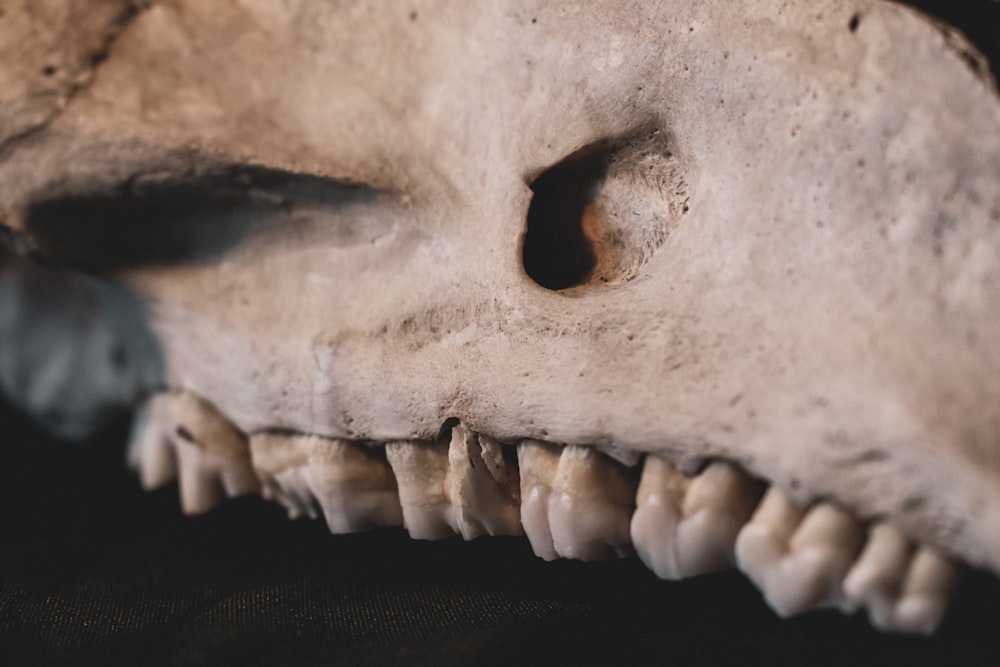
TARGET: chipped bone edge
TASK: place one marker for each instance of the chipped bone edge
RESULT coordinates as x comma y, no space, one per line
570,501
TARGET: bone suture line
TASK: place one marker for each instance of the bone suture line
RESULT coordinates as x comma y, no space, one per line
570,502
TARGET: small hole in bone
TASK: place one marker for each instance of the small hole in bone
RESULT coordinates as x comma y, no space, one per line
854,23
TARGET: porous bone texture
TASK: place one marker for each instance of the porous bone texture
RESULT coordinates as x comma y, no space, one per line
794,223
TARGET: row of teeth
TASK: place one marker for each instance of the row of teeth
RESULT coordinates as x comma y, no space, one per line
570,501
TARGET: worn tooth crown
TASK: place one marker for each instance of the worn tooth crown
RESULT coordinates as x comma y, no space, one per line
570,502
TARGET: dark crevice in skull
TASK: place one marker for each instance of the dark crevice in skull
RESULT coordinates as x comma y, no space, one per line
180,218
557,252
602,213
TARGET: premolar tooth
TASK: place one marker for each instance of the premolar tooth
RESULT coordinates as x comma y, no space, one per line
876,578
278,460
213,455
484,486
683,527
927,590
353,484
421,470
150,451
538,463
293,490
591,505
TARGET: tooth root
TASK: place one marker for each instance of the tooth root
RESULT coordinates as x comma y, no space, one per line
591,505
354,485
150,451
538,463
485,489
213,455
926,593
658,513
876,578
421,471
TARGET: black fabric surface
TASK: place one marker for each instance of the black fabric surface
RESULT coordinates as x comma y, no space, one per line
95,572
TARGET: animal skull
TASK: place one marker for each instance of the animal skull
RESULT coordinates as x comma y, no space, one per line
669,251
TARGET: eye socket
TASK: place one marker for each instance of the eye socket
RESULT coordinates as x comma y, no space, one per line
598,216
190,218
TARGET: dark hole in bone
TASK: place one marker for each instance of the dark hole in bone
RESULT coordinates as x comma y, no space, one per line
180,218
602,213
854,23
184,434
557,253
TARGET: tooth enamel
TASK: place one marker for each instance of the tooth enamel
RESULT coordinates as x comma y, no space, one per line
276,459
484,487
538,463
876,578
658,513
926,592
354,485
763,542
683,527
213,455
150,452
591,505
421,470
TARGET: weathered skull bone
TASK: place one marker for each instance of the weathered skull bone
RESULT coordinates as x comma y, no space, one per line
758,234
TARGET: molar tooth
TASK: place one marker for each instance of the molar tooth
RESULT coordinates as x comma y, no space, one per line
876,578
538,463
213,455
822,551
484,487
658,513
763,542
798,558
150,452
421,470
717,505
591,505
353,484
683,527
926,592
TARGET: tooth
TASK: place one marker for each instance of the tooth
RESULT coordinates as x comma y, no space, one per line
485,488
822,551
717,505
277,460
293,490
876,578
354,485
150,451
213,455
763,542
538,463
421,470
926,592
683,527
591,505
658,513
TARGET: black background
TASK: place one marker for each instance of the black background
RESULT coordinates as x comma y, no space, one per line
95,571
